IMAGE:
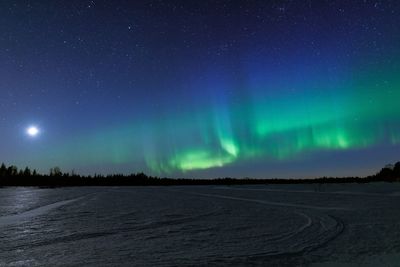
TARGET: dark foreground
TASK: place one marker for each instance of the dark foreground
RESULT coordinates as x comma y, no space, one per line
12,176
276,225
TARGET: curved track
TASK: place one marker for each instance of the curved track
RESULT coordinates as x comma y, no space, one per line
316,230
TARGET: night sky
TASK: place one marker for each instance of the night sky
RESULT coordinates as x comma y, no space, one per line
201,88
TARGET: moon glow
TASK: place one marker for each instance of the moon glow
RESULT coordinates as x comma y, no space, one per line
32,131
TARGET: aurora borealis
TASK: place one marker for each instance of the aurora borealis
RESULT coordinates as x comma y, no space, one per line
201,89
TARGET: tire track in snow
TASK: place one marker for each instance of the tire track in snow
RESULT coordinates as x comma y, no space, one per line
318,230
393,194
12,219
272,203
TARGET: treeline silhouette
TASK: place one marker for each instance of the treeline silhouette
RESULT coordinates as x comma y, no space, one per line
12,176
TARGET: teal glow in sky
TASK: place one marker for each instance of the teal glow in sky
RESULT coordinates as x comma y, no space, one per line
285,89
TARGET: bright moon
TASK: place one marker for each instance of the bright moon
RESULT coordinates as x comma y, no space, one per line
32,131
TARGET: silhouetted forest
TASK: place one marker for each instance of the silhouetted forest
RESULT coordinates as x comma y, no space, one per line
12,176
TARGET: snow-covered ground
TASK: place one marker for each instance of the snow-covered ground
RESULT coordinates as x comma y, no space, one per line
272,225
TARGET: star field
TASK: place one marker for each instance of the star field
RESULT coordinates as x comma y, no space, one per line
201,88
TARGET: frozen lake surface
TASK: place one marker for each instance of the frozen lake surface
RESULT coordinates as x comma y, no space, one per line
271,225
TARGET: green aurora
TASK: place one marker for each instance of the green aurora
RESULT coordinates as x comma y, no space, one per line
279,127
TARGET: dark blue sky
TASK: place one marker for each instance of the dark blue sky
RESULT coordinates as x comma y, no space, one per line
201,88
